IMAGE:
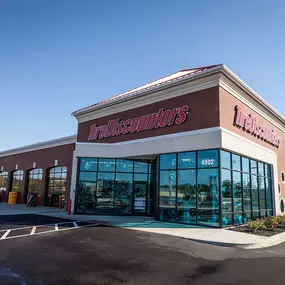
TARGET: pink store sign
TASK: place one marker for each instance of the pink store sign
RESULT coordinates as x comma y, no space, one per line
250,123
161,119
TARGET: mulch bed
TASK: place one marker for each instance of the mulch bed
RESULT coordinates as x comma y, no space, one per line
266,232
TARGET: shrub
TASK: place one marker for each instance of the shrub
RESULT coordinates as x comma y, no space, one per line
256,225
271,222
281,220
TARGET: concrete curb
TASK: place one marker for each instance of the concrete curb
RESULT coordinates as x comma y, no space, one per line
271,241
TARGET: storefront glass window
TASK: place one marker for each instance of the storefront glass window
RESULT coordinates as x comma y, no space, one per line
245,164
208,196
251,196
106,164
168,161
236,161
115,187
89,164
124,165
186,189
187,160
227,193
56,186
167,190
208,158
225,159
3,185
35,185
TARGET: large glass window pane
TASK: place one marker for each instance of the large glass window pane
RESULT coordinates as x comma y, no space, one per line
226,159
253,167
268,187
236,161
86,197
106,164
267,170
208,196
124,165
88,176
260,169
227,219
254,187
186,189
167,191
245,165
123,193
168,161
262,201
141,177
208,158
226,191
88,164
246,192
237,192
187,160
141,167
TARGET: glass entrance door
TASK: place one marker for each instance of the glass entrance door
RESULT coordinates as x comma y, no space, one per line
140,197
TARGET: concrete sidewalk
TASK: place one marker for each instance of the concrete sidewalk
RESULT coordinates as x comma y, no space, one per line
221,237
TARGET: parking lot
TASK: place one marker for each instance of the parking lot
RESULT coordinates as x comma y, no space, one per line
94,254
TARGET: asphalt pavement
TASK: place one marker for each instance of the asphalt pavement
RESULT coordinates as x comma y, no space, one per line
108,255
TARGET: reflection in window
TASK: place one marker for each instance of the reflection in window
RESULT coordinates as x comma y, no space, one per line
88,164
186,189
246,193
254,188
4,182
124,165
226,191
236,162
18,181
251,196
106,164
105,192
262,201
208,196
141,167
167,190
208,158
57,186
116,186
253,167
123,193
226,159
187,160
168,161
35,185
245,164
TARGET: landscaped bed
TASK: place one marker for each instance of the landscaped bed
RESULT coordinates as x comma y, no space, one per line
268,226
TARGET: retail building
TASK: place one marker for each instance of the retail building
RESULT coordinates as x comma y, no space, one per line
197,147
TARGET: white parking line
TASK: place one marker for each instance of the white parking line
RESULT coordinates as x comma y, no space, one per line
33,231
5,235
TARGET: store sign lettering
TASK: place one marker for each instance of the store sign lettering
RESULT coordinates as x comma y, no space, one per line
250,124
161,119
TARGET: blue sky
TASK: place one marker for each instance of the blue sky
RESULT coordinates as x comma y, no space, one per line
58,56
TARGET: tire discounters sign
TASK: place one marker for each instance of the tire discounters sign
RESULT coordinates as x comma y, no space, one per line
250,124
161,119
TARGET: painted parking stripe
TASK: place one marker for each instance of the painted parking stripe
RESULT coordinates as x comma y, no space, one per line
33,230
5,235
